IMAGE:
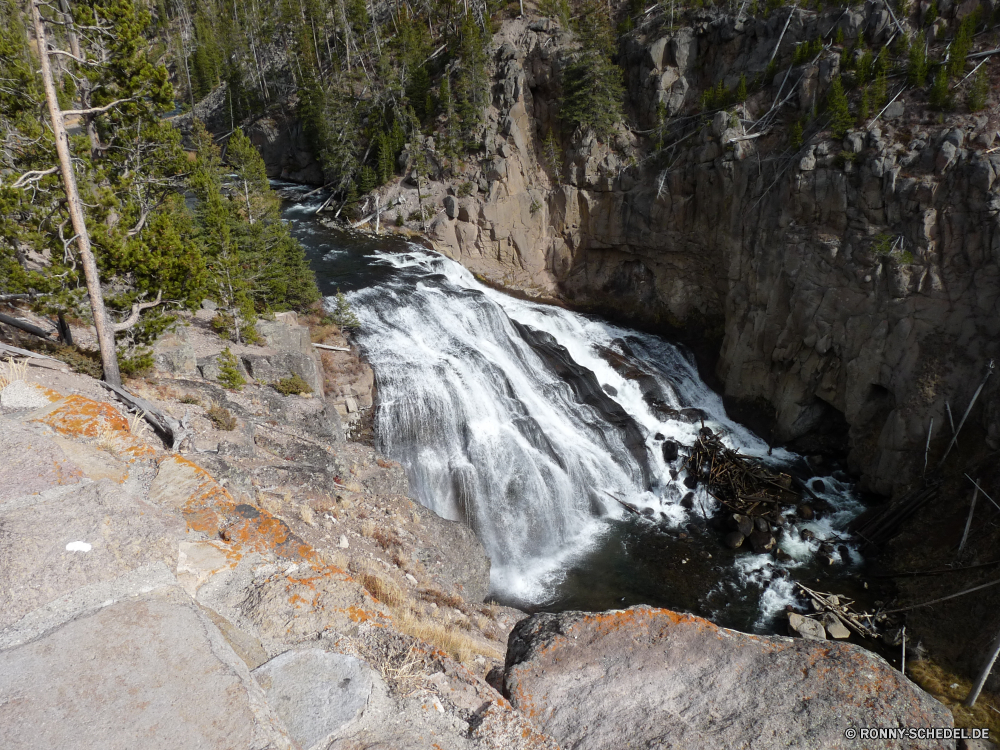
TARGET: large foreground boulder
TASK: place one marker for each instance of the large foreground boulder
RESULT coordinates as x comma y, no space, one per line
652,678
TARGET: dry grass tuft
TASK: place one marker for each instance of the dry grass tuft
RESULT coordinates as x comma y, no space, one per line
952,690
12,371
137,423
336,558
368,528
107,438
441,598
399,665
306,514
221,417
387,538
381,587
457,644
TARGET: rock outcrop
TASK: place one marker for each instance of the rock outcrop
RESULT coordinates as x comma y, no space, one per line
851,281
646,677
289,596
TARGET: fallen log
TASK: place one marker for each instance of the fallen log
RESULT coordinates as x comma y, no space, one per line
26,327
169,428
7,349
333,348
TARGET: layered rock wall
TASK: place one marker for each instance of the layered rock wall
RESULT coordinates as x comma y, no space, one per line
854,281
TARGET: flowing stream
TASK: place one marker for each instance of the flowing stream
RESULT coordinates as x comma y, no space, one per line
530,423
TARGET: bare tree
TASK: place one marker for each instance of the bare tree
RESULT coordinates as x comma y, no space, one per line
105,330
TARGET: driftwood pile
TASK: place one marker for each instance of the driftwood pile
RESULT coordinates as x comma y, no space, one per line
739,482
833,608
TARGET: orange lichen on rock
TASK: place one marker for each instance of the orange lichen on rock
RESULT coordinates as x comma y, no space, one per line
209,508
79,416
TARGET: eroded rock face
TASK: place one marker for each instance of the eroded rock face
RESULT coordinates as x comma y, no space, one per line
646,677
852,285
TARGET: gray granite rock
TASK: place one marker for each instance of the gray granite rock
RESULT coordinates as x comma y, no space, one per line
652,678
148,672
315,692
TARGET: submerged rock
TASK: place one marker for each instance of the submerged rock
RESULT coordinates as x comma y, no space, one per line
647,677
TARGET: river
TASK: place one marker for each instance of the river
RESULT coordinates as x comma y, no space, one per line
529,423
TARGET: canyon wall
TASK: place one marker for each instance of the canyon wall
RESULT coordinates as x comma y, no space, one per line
850,285
854,282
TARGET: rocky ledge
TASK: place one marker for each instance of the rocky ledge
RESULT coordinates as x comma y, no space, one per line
653,678
289,595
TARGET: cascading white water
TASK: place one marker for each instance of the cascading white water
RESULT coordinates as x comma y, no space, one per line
528,421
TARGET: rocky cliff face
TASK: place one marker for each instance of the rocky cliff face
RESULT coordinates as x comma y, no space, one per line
850,284
854,281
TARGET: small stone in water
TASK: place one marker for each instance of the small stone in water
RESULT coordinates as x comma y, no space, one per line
734,540
670,450
688,501
690,482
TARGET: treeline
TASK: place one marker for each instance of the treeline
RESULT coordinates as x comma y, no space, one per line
163,224
364,78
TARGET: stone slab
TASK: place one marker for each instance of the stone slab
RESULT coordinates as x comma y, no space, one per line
149,673
315,692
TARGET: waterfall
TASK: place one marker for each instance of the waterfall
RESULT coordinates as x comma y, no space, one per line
529,422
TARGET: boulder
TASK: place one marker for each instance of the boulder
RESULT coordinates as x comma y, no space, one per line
734,540
762,541
450,206
269,368
315,692
285,338
458,557
834,627
148,672
806,627
174,354
743,524
647,677
670,450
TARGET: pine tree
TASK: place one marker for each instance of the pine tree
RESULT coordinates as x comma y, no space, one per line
471,78
940,96
592,86
979,91
960,46
916,70
449,141
840,112
552,156
741,89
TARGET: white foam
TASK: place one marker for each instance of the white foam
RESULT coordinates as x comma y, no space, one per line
490,435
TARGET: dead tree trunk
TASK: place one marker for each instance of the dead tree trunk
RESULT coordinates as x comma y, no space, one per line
977,688
105,333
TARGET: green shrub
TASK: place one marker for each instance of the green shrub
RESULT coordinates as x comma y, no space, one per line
292,386
465,189
136,363
882,244
229,371
916,69
399,219
222,418
795,135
